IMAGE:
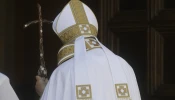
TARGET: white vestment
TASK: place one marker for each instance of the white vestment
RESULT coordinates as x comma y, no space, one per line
61,85
6,90
87,70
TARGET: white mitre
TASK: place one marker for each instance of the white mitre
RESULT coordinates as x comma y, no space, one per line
55,23
74,21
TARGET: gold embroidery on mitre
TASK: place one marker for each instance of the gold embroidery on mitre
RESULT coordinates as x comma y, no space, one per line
78,12
82,26
83,92
122,92
71,33
67,51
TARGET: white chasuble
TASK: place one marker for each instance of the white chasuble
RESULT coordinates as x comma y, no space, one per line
87,70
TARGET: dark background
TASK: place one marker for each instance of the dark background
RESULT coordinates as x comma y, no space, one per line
140,31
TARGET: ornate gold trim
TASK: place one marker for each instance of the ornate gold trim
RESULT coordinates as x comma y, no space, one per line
122,91
67,51
82,26
83,92
78,12
71,33
65,58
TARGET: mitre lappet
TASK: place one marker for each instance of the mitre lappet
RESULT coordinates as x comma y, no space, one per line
87,70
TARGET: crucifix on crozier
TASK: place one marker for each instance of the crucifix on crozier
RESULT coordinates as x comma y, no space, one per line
42,71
